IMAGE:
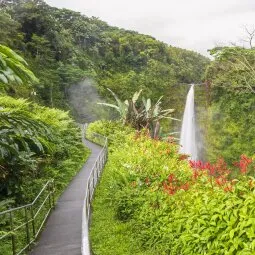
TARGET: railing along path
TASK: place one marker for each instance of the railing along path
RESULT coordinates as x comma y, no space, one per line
23,224
91,184
31,217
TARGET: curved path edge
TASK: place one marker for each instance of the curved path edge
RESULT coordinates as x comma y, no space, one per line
66,230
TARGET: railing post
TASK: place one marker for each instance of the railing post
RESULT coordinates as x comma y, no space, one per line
95,173
88,194
27,227
94,181
101,161
13,235
33,219
91,190
99,166
53,192
49,190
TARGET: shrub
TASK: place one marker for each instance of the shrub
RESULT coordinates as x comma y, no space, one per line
164,204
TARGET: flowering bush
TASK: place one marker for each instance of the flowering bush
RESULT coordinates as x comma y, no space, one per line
165,204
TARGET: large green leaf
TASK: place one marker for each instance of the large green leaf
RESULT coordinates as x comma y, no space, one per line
13,68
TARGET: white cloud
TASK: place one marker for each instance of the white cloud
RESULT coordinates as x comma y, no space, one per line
193,24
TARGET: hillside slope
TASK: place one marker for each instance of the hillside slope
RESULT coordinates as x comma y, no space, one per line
64,47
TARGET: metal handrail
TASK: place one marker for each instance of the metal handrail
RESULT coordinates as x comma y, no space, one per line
28,218
90,187
28,215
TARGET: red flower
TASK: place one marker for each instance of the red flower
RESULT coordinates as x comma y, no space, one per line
220,181
220,168
195,174
243,164
229,188
185,186
171,178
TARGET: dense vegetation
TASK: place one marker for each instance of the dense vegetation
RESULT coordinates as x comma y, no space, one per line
152,200
41,143
231,122
64,47
37,144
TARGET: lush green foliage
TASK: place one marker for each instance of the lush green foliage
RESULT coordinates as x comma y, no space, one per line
114,131
233,69
33,150
30,139
141,113
37,143
13,67
152,201
231,114
64,47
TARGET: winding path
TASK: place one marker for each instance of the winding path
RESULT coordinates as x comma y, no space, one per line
62,234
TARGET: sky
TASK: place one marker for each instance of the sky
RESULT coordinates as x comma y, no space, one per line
197,25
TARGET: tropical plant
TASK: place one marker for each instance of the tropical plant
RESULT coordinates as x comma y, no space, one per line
141,114
36,144
20,132
13,68
21,136
23,139
121,106
152,114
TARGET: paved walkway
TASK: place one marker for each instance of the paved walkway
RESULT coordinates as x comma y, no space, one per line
63,232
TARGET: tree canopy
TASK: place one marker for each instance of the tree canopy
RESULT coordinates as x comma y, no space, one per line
64,47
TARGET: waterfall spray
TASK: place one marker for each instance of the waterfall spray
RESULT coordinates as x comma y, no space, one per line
188,131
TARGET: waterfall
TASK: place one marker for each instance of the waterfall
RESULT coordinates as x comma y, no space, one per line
188,131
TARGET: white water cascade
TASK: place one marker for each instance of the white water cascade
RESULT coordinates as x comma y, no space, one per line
188,131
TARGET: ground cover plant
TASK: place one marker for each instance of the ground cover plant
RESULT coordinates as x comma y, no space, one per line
152,200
